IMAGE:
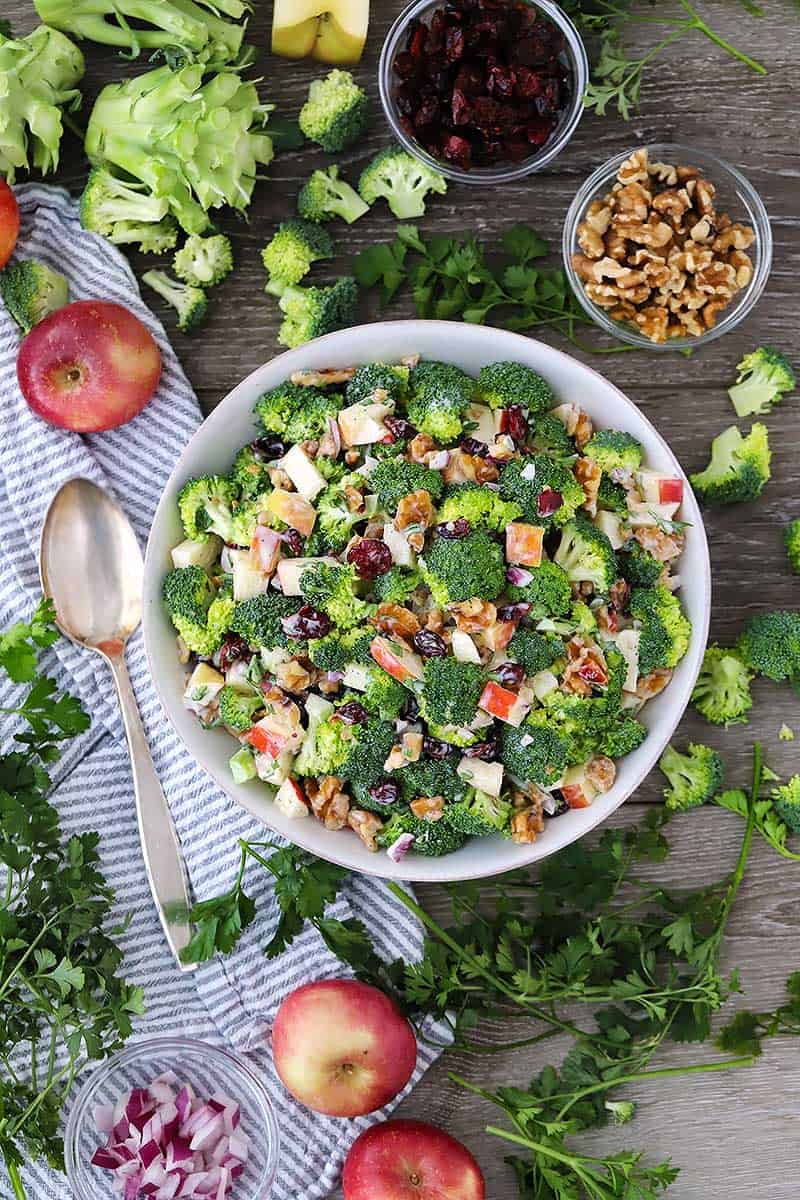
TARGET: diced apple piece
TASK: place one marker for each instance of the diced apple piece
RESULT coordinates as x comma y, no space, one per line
317,708
266,548
543,683
302,472
362,424
290,571
274,770
524,544
660,489
464,648
485,776
331,31
627,641
650,514
293,509
485,421
519,711
568,415
204,685
401,552
497,700
248,579
266,741
197,554
497,636
396,660
670,491
290,800
611,525
576,788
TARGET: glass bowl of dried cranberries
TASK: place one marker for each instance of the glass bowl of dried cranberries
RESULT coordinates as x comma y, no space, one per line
485,91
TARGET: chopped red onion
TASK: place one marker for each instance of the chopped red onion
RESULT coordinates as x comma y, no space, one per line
400,848
528,472
518,577
439,461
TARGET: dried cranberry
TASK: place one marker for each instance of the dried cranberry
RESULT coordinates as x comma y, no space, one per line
233,649
268,448
514,612
538,132
418,40
454,531
410,708
514,423
400,429
307,623
429,644
475,448
433,748
486,750
501,82
460,108
561,805
351,713
404,65
370,557
294,540
386,792
427,112
458,150
548,502
454,44
509,675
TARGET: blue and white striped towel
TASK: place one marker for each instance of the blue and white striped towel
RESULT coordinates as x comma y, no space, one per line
232,1000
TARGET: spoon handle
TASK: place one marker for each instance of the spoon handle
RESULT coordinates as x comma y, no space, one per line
160,846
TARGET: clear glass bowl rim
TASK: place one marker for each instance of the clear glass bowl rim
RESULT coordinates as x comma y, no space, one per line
501,173
600,180
154,1048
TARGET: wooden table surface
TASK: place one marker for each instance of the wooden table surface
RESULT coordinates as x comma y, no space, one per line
733,1135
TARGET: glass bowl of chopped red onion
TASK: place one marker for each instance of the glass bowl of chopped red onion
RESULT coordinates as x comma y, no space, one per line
483,92
172,1117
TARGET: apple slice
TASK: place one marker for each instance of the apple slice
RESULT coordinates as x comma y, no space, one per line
485,776
497,700
302,472
362,424
197,554
331,31
611,525
248,578
266,741
290,800
524,544
274,770
576,788
293,510
670,491
396,660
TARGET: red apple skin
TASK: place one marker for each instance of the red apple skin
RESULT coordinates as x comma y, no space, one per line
89,366
342,1048
410,1160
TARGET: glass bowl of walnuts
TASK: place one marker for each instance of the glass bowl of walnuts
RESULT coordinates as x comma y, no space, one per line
667,247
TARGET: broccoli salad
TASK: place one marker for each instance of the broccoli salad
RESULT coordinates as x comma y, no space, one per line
429,607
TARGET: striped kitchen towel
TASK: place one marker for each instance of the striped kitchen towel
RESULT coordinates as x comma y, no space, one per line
232,1000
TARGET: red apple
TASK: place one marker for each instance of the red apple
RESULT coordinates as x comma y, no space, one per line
670,491
89,366
410,1160
9,222
342,1048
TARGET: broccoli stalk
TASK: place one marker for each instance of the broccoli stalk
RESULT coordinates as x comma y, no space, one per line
204,261
693,777
791,538
289,255
190,303
402,180
763,378
326,196
722,692
124,212
31,291
336,112
503,384
314,311
739,467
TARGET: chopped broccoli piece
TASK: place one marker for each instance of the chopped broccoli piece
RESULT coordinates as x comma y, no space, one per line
739,467
206,506
125,212
638,566
439,397
786,802
693,777
534,651
294,247
430,777
249,473
332,588
326,196
785,733
377,377
534,753
548,592
548,435
665,631
523,480
583,618
396,585
586,555
314,311
298,414
763,378
190,303
205,638
400,179
459,569
503,384
770,645
153,238
335,521
450,691
31,291
612,497
791,537
188,593
338,649
258,620
336,112
394,478
250,513
480,815
478,505
432,838
622,737
612,448
384,697
237,709
204,261
722,692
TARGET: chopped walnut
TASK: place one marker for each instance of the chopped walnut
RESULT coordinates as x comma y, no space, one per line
329,803
354,498
653,322
323,378
526,825
601,772
664,173
634,169
736,237
416,509
420,446
590,241
672,203
428,808
743,266
352,456
653,684
468,468
434,619
473,616
663,546
584,429
279,479
367,825
588,474
395,620
631,205
310,448
711,309
586,666
292,676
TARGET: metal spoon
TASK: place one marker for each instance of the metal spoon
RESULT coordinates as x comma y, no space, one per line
91,567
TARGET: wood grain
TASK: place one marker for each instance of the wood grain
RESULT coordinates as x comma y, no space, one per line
730,1134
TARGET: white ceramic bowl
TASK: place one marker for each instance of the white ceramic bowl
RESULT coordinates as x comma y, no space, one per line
469,346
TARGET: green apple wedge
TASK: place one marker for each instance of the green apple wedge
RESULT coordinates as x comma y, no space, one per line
331,31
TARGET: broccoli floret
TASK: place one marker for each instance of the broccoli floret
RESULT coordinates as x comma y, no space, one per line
583,618
722,692
432,838
450,691
480,815
338,649
534,753
549,592
249,514
770,645
430,777
693,777
237,709
31,291
190,303
331,587
548,435
205,638
396,585
739,467
204,261
114,208
612,448
249,473
665,631
383,696
258,620
791,538
440,395
586,555
612,496
377,377
314,311
534,651
459,569
503,384
786,802
394,478
336,112
206,506
335,521
188,593
298,414
326,196
523,480
638,566
402,180
478,505
622,737
763,378
366,750
294,247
